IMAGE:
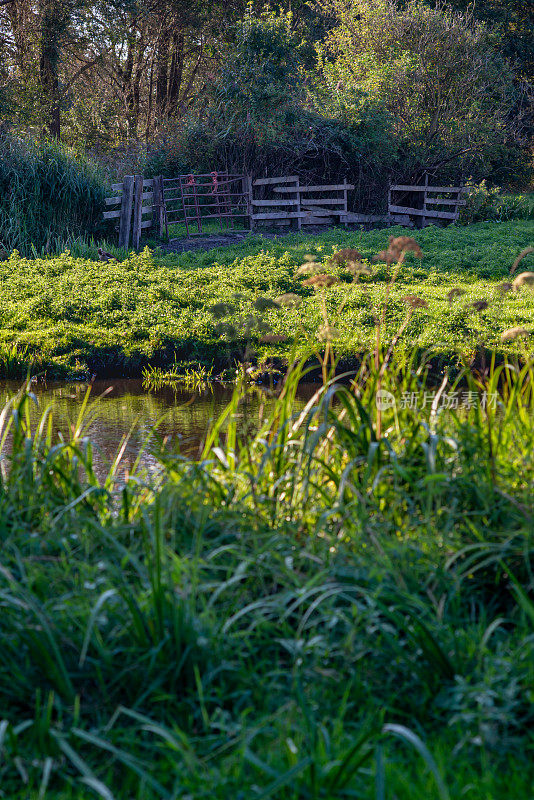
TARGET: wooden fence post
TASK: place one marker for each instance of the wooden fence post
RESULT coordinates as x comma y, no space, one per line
138,211
157,205
126,211
425,198
250,208
299,218
345,200
163,228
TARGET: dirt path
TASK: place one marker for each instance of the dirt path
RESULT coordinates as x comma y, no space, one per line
210,242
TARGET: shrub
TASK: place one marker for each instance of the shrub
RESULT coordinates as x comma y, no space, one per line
488,203
445,90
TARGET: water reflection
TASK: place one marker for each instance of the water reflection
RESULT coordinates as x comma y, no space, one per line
124,407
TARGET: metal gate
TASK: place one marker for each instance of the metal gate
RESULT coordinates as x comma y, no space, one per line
196,199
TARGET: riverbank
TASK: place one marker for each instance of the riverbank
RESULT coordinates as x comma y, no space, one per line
73,317
315,611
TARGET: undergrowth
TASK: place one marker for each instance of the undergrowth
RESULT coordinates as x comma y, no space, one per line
48,198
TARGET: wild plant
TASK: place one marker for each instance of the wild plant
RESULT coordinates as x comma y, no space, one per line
47,197
191,376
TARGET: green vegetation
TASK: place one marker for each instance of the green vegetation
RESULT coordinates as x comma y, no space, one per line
71,314
48,198
374,90
485,203
334,601
320,611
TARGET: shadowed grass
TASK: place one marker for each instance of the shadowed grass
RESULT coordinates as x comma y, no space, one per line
320,611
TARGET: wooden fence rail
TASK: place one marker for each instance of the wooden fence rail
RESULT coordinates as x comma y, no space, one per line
331,202
425,209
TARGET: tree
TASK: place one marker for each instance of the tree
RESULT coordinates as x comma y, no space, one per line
513,24
108,71
260,76
35,34
436,72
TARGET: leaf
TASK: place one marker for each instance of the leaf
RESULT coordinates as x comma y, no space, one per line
401,732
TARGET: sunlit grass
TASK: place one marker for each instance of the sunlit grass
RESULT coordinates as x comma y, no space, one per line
75,314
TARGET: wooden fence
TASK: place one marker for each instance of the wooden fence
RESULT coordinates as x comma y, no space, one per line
322,204
140,203
189,199
136,198
420,202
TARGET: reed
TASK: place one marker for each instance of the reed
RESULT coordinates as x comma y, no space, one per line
48,198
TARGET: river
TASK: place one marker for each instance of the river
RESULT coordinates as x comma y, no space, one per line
122,407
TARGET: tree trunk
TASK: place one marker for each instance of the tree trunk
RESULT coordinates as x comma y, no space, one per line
51,28
175,72
162,73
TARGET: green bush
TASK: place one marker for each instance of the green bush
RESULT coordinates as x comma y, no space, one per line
47,196
387,99
445,92
311,146
487,203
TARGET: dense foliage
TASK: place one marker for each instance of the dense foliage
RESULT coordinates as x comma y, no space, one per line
321,611
334,601
47,197
341,88
444,89
483,202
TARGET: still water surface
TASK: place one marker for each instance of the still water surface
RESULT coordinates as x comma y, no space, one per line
123,406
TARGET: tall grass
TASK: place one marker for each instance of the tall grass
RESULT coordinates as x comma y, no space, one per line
47,197
330,603
337,607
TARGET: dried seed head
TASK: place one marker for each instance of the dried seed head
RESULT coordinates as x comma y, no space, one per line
289,300
345,256
414,301
396,247
480,305
309,268
456,292
383,255
504,287
513,333
357,268
321,281
520,257
273,338
405,243
226,329
327,333
524,279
